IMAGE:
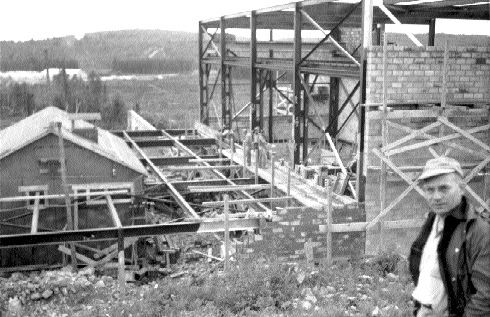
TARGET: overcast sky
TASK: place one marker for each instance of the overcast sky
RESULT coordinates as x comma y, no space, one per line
39,19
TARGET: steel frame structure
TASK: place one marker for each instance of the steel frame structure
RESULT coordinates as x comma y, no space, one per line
311,15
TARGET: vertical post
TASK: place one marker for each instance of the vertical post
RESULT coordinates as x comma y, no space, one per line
120,258
253,70
257,159
297,83
271,94
261,99
367,22
382,183
273,168
486,170
227,232
35,215
333,113
223,71
432,32
244,171
304,121
329,221
75,215
69,219
204,116
379,34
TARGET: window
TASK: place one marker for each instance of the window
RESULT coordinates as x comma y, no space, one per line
92,192
50,166
36,190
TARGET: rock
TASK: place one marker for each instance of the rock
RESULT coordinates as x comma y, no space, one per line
330,289
64,291
376,312
107,279
100,284
35,296
15,307
392,276
366,278
16,277
47,294
364,297
301,277
306,305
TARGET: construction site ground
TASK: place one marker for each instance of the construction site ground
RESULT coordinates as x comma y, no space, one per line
195,287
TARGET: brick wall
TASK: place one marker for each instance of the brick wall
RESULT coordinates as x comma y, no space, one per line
285,237
415,75
413,206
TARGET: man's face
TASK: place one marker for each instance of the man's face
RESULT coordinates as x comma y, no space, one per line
443,192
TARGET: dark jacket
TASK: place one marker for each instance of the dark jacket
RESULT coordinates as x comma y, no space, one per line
464,258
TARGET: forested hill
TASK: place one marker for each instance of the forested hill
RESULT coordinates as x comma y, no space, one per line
143,51
173,50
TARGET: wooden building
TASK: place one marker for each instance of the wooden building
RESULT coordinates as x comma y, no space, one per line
30,164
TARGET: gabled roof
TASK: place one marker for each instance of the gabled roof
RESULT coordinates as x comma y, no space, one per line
38,125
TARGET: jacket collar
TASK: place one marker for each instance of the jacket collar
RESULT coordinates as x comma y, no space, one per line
464,211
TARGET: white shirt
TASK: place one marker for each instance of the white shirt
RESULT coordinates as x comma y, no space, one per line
430,288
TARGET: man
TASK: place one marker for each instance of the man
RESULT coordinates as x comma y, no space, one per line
450,259
247,147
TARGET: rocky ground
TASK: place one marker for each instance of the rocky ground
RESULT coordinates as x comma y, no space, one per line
368,287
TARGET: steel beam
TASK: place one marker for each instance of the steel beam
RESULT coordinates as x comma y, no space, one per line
176,160
152,142
297,84
203,103
253,70
177,196
304,121
333,114
101,234
432,33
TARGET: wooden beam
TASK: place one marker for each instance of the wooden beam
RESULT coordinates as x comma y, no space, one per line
433,141
210,189
113,212
199,167
336,153
59,196
64,185
297,84
35,216
79,256
246,201
178,197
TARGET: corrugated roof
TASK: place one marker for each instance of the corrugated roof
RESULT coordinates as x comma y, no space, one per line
38,125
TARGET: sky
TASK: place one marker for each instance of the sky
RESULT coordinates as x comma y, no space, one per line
23,20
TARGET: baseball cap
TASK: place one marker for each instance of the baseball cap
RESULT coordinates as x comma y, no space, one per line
440,166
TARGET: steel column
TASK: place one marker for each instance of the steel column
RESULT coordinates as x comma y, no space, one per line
203,88
367,24
432,33
304,122
225,79
333,103
297,83
253,71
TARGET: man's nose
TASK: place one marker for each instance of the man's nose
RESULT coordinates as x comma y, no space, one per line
437,195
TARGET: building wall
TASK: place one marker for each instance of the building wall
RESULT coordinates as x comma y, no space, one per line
83,167
415,74
286,236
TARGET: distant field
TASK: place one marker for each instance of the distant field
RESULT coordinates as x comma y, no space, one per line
172,101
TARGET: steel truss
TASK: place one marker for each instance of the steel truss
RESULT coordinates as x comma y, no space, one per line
348,62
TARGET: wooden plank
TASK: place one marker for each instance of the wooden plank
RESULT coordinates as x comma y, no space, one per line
466,134
35,216
411,136
198,167
178,197
79,256
59,196
329,223
434,141
210,189
476,170
245,201
403,114
335,152
209,160
208,255
227,233
113,212
64,184
430,137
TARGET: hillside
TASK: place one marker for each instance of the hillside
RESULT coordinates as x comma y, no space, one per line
144,51
97,51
